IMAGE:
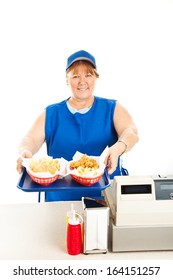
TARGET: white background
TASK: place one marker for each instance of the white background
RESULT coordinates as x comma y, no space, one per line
133,45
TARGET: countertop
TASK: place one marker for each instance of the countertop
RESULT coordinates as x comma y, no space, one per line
36,231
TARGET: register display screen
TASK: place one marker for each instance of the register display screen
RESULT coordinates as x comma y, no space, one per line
136,189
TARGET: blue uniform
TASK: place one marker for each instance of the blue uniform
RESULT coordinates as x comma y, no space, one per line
87,133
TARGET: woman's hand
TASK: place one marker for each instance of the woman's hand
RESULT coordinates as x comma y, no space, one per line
24,154
111,160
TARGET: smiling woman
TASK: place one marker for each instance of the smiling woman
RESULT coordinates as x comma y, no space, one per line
84,122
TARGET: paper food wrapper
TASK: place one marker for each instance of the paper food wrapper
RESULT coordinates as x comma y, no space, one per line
65,166
61,172
100,160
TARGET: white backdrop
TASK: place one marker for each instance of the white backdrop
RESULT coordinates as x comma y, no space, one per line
132,42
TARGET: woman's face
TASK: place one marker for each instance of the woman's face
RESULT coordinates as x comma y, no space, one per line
82,82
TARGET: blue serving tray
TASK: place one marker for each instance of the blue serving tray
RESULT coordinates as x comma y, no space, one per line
63,184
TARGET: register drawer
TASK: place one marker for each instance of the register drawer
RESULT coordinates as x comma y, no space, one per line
142,238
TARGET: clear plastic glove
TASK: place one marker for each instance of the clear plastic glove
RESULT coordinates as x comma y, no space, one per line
24,154
111,160
111,163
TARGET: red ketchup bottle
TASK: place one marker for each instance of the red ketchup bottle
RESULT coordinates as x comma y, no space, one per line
74,235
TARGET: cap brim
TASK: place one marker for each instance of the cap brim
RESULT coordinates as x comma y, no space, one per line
84,59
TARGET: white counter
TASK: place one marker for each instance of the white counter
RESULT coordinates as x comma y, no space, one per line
37,232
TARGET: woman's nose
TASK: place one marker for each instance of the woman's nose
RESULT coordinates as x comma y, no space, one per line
82,79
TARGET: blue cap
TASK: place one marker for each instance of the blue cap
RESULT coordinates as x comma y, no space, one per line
80,55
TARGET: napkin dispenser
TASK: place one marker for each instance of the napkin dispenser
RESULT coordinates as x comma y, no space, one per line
142,213
96,224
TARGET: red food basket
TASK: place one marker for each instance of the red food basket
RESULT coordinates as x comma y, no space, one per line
44,181
86,181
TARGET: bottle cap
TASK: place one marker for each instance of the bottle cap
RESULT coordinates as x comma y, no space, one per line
70,212
73,220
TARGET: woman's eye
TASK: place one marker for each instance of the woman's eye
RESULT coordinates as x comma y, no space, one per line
88,75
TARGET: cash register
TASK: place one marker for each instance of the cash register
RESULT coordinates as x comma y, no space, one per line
141,213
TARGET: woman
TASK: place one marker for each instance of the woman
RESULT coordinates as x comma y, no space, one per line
83,122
